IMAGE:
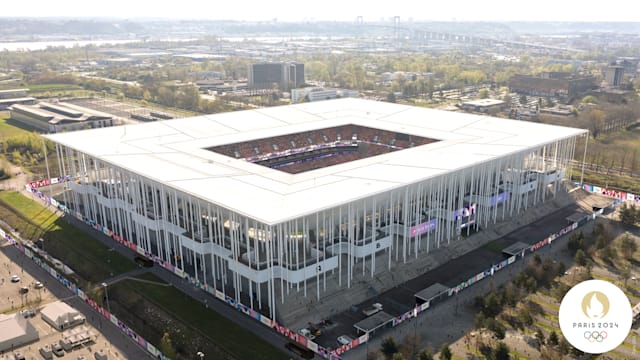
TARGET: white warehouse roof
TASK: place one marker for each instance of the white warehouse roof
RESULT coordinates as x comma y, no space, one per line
174,152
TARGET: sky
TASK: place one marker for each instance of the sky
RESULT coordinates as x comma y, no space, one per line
339,10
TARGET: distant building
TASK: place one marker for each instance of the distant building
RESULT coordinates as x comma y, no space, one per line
59,117
613,75
13,93
208,75
552,84
483,105
319,93
630,64
558,110
387,77
6,103
286,75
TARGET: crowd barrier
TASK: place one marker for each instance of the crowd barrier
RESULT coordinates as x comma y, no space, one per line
619,195
333,354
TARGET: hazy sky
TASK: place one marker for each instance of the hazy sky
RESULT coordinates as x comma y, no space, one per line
343,10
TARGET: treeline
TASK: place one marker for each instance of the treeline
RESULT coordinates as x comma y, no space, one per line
26,149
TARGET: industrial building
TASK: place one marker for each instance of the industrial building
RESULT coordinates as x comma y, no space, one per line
483,105
13,93
552,84
269,207
284,75
318,94
59,117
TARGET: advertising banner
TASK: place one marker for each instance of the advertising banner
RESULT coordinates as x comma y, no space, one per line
423,228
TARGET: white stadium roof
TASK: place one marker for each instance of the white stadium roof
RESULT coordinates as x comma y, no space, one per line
174,152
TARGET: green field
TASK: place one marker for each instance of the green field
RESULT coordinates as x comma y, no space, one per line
192,327
88,257
7,129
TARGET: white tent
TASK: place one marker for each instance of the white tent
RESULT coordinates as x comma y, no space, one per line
16,331
61,316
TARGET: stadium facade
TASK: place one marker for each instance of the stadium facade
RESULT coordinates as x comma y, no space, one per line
376,185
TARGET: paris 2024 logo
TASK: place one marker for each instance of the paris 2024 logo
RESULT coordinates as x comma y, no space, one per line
595,316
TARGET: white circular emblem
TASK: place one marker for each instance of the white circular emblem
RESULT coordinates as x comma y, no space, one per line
595,316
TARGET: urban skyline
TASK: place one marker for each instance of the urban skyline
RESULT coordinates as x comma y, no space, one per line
490,10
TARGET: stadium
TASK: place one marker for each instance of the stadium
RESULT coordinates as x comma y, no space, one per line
274,206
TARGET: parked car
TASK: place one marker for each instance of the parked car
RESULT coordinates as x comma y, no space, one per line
27,313
46,353
38,285
23,290
18,355
344,340
306,333
15,278
57,350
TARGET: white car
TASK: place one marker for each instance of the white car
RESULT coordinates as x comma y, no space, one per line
344,340
306,333
15,278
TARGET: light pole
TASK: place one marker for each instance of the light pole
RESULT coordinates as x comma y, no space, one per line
106,296
200,354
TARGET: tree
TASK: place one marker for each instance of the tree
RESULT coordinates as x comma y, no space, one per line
540,337
589,99
445,352
479,320
608,254
561,268
596,121
425,354
167,347
628,247
553,339
398,356
483,93
496,327
389,347
501,352
391,97
629,215
625,275
580,258
523,99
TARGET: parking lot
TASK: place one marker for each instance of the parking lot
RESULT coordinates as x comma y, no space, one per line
26,290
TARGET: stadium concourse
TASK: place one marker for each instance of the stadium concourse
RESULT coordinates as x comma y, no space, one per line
239,202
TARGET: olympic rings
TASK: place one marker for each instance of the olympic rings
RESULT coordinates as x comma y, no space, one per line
595,336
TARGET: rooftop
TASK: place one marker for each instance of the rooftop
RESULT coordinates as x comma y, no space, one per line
174,152
484,102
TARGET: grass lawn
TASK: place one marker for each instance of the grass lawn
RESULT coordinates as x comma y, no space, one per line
196,325
7,130
88,257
